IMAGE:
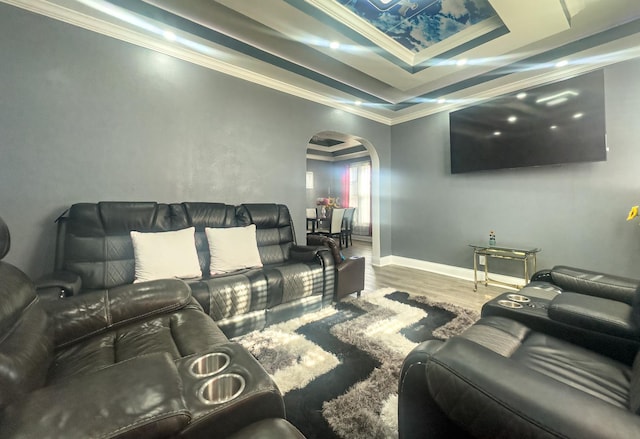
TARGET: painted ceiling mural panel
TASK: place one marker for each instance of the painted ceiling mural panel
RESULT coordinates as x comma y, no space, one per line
419,24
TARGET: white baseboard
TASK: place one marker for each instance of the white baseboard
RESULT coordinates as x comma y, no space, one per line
448,270
383,261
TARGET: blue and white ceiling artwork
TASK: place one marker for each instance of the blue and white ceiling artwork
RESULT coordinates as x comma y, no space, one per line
419,24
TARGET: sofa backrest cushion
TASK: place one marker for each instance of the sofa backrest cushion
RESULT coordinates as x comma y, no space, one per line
200,216
274,230
26,340
594,283
97,244
97,241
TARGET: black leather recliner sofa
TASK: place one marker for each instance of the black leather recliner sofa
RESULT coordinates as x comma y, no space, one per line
94,252
119,363
559,358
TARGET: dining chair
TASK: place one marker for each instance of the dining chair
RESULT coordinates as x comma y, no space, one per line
312,219
335,225
347,226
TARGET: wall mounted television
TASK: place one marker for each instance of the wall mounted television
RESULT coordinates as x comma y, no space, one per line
563,122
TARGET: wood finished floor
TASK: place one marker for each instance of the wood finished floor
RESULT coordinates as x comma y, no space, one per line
435,286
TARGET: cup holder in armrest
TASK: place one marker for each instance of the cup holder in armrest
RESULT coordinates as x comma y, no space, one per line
209,364
509,304
518,298
221,388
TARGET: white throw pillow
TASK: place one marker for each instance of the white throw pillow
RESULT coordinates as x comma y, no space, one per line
163,255
233,249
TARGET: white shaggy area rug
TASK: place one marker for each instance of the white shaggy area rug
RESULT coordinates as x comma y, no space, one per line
338,368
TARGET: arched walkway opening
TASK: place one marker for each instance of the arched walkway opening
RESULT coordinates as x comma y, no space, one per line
337,165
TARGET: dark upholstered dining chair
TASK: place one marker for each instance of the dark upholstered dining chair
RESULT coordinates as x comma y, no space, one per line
347,226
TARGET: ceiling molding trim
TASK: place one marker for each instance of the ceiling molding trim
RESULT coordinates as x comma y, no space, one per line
350,143
462,48
340,158
349,33
321,158
552,74
341,14
462,38
607,47
138,38
351,26
155,11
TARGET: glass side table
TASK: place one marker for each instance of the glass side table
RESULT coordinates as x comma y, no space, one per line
525,255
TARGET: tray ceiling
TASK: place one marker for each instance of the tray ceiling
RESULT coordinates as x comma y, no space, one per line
388,60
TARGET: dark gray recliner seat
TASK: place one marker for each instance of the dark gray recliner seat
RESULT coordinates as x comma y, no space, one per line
115,363
500,379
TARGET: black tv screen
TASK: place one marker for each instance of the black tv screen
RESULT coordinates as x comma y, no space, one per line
563,122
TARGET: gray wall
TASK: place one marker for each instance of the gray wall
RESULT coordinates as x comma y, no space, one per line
576,213
324,178
87,118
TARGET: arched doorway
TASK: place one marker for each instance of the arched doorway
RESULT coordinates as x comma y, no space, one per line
328,153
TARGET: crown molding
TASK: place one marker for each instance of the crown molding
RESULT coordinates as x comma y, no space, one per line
341,158
84,14
156,43
349,143
367,30
617,51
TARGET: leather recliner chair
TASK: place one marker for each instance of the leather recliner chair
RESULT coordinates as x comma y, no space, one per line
560,361
112,364
596,310
501,379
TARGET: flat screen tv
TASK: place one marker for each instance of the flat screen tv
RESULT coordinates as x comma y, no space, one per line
563,122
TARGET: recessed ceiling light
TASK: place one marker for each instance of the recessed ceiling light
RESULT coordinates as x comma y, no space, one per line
441,100
512,119
578,115
168,35
553,127
496,133
521,95
358,103
461,62
562,63
334,45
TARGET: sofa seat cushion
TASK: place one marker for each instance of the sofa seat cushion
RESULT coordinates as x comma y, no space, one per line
573,366
140,398
500,379
228,295
292,281
180,333
233,294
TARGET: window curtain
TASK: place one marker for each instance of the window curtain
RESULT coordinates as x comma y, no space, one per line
359,196
345,186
